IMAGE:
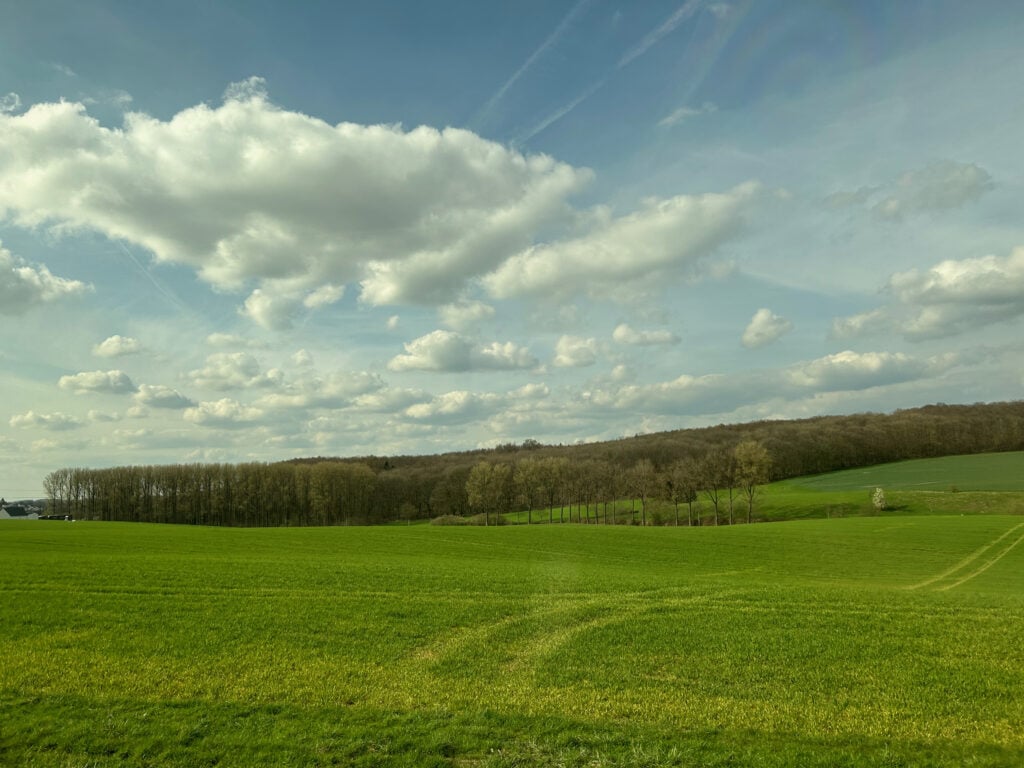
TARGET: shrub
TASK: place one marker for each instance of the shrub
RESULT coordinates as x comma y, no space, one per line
449,520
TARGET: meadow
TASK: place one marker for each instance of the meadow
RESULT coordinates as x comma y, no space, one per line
881,641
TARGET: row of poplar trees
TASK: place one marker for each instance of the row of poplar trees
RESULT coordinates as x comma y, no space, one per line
550,489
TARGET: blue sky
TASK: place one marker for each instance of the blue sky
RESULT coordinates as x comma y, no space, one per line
259,230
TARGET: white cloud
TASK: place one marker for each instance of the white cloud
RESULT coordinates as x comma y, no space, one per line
456,408
940,186
23,286
845,371
393,322
952,297
323,296
159,396
249,192
10,103
390,400
101,417
956,296
275,313
862,324
333,391
223,413
303,358
665,235
683,113
937,187
764,328
575,352
234,370
250,89
56,421
624,334
721,394
116,382
465,315
448,351
117,346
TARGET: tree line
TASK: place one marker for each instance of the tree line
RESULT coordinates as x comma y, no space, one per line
607,482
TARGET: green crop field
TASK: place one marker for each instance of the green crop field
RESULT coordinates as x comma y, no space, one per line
879,641
977,472
991,483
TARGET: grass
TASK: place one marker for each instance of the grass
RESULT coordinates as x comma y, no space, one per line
879,641
990,483
977,472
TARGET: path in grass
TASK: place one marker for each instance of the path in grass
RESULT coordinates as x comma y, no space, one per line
870,641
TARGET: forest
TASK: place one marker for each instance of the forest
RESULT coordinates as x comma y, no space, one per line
606,482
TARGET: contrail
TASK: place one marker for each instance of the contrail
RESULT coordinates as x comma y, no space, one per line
673,21
171,298
558,114
682,14
484,112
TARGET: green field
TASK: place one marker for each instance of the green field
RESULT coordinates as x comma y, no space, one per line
991,483
977,472
880,641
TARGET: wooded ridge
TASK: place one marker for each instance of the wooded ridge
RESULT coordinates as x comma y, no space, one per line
539,479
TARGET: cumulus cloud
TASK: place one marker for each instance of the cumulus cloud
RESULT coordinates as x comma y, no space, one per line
952,297
247,192
335,390
719,393
764,328
234,370
847,370
273,312
323,296
575,352
624,334
456,407
302,359
224,413
115,382
664,235
959,295
58,422
23,285
101,417
465,315
862,324
159,396
449,351
390,400
117,346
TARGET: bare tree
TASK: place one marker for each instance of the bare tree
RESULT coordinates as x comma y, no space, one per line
753,465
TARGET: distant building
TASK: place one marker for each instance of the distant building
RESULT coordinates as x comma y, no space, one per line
16,512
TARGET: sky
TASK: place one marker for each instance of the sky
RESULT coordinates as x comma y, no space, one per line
259,230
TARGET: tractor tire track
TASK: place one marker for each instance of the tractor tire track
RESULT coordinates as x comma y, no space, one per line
968,560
